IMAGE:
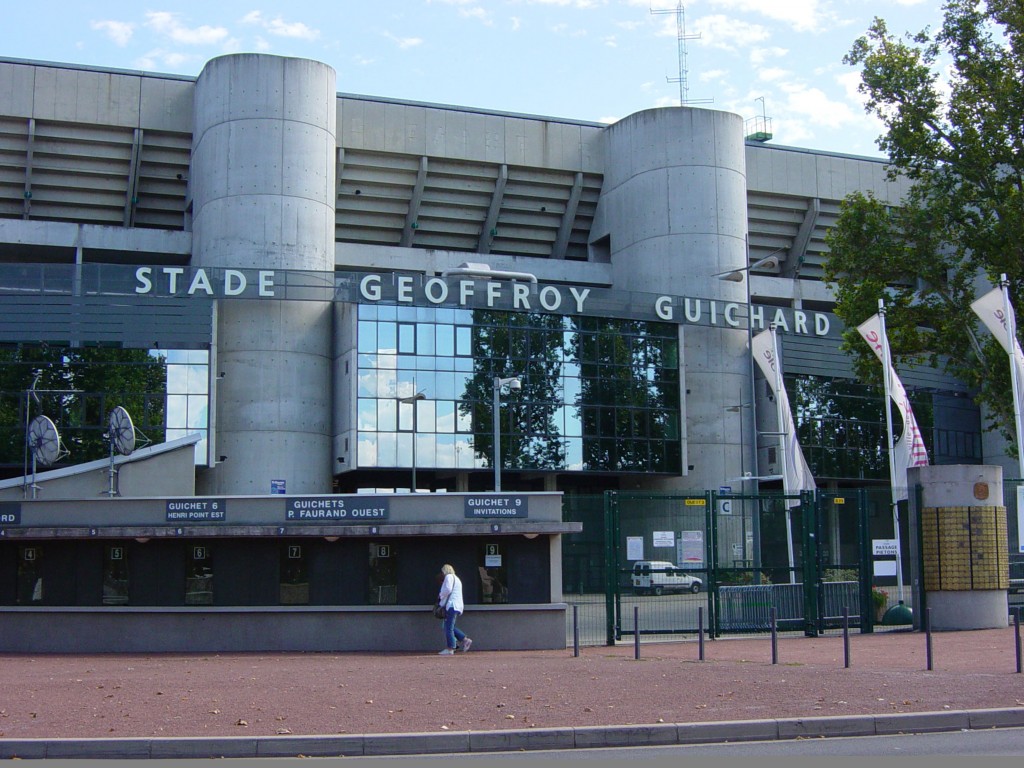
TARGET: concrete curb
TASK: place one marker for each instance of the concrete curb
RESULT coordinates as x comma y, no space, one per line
526,739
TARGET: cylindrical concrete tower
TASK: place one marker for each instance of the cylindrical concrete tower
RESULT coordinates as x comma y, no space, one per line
263,196
675,197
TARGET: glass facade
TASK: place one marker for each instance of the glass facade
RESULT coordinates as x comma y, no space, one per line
77,388
188,395
597,394
842,430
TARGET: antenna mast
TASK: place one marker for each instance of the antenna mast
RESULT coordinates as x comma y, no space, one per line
681,38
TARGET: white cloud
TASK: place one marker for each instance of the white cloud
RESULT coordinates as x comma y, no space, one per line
516,23
727,33
278,26
712,75
770,74
477,11
167,24
801,15
850,82
816,106
610,41
581,4
404,42
759,56
478,14
118,31
159,58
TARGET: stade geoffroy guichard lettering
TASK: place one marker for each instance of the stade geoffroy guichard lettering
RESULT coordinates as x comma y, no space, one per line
470,293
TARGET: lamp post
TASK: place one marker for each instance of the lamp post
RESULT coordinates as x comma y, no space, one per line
771,261
412,400
514,383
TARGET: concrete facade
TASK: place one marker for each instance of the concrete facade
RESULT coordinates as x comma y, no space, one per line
263,197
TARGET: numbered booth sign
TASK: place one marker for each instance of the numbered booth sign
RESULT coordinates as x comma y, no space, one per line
199,575
294,583
493,572
383,585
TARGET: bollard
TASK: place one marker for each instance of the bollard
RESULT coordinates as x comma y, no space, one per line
636,631
928,636
775,636
700,635
1016,636
575,630
846,636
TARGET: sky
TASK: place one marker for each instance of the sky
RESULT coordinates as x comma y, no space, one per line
591,60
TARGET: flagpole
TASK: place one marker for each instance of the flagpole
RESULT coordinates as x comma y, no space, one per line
886,372
783,435
1011,332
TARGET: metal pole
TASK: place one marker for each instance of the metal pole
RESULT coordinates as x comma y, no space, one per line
1011,333
755,470
700,633
1016,636
886,369
783,465
497,436
575,630
775,636
928,636
636,631
846,636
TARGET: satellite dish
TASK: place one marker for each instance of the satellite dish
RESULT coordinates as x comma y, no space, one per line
122,431
43,440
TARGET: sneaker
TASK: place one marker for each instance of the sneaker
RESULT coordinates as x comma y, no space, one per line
446,652
466,644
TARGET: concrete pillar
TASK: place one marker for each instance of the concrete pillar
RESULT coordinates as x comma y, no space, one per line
263,196
964,550
675,201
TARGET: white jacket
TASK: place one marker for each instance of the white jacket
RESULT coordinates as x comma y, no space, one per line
451,593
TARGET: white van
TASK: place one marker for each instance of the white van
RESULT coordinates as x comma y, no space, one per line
659,576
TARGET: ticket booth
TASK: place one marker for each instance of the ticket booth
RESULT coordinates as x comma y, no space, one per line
263,573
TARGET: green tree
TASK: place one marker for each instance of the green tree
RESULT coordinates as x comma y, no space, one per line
953,115
77,388
628,400
529,346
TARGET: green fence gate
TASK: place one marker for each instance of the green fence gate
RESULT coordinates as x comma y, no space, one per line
729,563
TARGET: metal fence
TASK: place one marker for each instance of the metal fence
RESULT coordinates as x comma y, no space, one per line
833,537
749,608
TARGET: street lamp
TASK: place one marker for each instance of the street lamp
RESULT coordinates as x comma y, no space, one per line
742,275
771,261
412,400
514,384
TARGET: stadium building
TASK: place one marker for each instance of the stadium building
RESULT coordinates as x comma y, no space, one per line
347,297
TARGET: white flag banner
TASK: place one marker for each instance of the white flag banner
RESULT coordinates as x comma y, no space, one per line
991,309
909,450
797,476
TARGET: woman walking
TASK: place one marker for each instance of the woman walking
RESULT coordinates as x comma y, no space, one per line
450,597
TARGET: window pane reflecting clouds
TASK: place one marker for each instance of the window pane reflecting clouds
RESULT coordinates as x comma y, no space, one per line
598,394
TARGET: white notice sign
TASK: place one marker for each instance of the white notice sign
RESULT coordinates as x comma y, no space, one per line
664,538
634,547
691,550
883,547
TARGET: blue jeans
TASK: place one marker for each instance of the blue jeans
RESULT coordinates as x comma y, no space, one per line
452,634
